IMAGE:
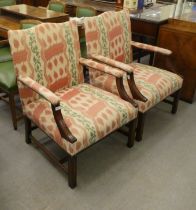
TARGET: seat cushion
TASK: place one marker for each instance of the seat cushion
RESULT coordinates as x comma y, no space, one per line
7,75
5,54
90,114
154,83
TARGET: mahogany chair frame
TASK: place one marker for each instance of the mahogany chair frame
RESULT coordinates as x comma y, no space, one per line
71,168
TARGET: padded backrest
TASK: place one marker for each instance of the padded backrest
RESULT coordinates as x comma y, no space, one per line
4,3
85,12
109,34
49,54
56,6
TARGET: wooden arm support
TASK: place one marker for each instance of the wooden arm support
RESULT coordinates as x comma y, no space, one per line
117,73
55,104
126,68
63,129
122,92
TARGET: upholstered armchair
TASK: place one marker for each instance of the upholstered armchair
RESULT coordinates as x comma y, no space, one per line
108,38
54,97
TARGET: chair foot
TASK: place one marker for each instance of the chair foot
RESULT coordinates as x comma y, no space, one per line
27,130
175,101
140,126
13,110
72,171
131,133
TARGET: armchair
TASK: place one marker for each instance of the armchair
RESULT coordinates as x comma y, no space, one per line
56,6
4,3
54,97
108,38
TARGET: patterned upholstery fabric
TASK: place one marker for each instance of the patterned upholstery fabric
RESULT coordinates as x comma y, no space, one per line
48,54
90,114
151,48
153,83
109,35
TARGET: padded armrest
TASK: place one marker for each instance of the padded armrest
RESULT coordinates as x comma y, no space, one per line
102,67
41,90
151,48
113,63
55,101
126,68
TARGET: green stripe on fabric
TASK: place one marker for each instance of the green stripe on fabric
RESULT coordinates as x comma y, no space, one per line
103,35
113,103
69,111
71,54
36,57
127,37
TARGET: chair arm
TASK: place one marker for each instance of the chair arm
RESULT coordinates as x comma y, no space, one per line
55,103
118,74
41,90
151,48
113,63
128,69
102,67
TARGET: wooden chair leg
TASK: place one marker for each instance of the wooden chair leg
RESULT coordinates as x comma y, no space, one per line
175,101
131,133
27,130
140,126
13,110
72,171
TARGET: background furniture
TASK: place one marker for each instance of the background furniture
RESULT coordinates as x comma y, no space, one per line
57,6
83,11
179,35
22,11
7,2
8,86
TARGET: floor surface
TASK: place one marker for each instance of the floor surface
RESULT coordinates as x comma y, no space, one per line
158,173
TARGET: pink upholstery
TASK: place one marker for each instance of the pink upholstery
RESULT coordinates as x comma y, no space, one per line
46,59
108,39
153,83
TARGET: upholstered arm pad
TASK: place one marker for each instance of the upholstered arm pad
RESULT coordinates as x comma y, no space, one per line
113,63
151,48
102,67
41,90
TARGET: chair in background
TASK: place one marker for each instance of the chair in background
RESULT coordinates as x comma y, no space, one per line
4,3
28,23
50,80
83,11
56,6
108,41
8,86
